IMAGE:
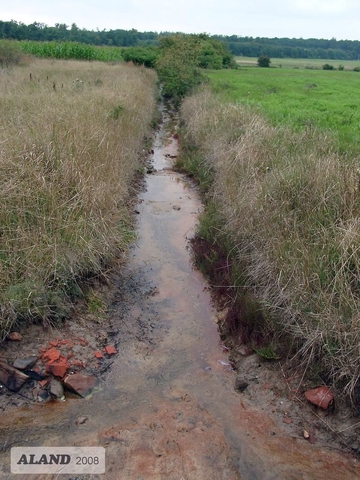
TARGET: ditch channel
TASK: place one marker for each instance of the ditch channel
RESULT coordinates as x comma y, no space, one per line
167,408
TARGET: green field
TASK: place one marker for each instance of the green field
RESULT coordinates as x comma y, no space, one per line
298,97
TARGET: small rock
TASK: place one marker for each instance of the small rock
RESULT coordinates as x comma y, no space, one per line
98,354
41,395
25,363
81,420
14,337
56,389
176,207
306,435
80,384
35,375
12,379
240,384
321,397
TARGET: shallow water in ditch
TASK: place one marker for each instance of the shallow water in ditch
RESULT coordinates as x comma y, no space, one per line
167,409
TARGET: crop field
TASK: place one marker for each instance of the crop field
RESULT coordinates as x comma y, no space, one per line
71,50
300,98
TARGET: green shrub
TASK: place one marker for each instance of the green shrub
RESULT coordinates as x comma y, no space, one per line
10,53
146,56
264,61
326,66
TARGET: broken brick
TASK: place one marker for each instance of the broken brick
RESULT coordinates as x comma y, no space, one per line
51,355
110,350
98,354
57,369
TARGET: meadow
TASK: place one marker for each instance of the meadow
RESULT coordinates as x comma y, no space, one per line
71,141
277,153
300,98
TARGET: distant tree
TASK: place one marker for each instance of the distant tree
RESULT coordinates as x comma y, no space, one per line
264,61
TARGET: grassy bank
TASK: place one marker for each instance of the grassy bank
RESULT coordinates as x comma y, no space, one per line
71,135
283,210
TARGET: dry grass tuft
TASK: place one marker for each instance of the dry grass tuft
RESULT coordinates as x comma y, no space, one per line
71,134
291,206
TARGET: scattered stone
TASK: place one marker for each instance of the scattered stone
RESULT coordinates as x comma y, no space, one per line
240,384
176,207
110,350
80,384
57,369
56,390
306,435
321,397
81,420
14,337
35,375
10,377
41,395
25,363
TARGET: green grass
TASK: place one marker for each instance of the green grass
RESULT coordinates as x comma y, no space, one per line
299,98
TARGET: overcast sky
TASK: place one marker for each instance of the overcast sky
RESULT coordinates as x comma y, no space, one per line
263,18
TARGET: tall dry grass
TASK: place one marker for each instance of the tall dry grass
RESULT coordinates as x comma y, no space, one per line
71,135
291,206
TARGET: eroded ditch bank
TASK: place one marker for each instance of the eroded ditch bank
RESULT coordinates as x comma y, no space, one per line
166,407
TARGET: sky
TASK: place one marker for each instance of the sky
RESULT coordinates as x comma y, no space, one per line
327,19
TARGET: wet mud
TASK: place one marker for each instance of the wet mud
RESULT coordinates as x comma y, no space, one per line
167,408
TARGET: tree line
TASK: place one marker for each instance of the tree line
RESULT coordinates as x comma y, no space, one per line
247,46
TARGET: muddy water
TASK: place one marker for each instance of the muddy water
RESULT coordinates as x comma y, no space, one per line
167,409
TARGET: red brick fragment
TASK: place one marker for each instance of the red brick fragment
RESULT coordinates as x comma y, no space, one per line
110,350
98,354
321,397
51,355
42,383
57,369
